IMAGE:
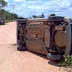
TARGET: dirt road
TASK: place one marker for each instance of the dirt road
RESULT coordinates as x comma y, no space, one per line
12,60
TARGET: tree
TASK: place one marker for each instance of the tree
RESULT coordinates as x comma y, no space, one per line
52,15
15,16
34,16
2,4
30,17
40,16
8,15
43,16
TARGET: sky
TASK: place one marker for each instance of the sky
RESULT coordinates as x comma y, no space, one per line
27,8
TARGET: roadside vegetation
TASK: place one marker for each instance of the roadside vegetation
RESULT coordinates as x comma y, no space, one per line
7,15
7,21
66,63
2,4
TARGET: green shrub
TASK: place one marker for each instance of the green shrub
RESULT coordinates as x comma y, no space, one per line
66,61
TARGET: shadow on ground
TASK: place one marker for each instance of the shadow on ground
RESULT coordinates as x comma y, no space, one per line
38,54
14,44
52,62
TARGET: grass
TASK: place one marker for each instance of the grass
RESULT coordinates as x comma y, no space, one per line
66,63
6,21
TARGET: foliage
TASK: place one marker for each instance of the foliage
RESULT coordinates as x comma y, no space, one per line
2,4
34,16
52,15
7,15
30,17
66,61
6,21
43,16
40,16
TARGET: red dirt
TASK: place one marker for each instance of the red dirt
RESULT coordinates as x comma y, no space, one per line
12,60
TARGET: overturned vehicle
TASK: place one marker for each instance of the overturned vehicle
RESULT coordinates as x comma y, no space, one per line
52,36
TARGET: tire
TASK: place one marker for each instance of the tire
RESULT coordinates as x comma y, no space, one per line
54,57
19,48
21,44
